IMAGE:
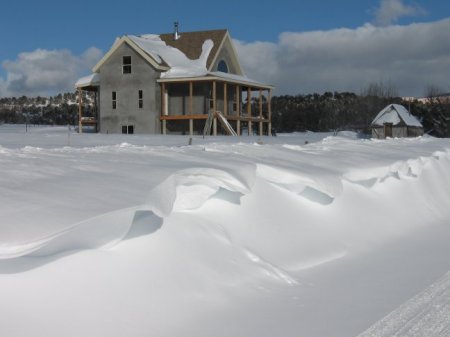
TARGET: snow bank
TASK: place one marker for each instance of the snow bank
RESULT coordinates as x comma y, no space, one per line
312,172
149,230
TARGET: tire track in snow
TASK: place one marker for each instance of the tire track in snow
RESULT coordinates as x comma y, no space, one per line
425,315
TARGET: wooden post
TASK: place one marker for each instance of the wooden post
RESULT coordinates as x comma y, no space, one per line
80,110
163,107
225,99
96,111
249,111
191,98
269,108
191,127
260,114
214,109
191,108
238,110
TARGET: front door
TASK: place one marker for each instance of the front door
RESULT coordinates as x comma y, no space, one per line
388,130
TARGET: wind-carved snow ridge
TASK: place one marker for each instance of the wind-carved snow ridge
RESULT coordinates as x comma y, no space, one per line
322,190
425,315
101,231
191,188
323,184
183,190
411,168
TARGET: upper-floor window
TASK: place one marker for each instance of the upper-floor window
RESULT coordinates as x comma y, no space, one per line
126,64
222,66
141,99
114,99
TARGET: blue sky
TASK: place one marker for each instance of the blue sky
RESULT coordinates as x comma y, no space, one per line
76,26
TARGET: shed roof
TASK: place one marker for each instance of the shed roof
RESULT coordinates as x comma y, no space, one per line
91,80
217,75
395,114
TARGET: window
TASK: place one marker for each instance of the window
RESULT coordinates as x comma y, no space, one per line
126,64
114,100
128,129
236,103
222,66
141,100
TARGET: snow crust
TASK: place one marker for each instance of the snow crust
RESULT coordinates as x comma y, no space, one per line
104,230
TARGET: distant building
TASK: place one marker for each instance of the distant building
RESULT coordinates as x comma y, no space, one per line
395,121
171,83
442,98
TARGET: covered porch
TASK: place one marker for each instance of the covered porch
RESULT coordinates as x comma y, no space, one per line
187,102
88,113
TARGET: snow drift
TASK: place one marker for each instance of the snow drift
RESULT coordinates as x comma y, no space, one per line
174,232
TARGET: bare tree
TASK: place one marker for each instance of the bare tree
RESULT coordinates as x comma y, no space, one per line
433,93
380,89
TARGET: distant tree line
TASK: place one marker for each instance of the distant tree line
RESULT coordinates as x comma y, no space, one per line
61,109
334,111
330,111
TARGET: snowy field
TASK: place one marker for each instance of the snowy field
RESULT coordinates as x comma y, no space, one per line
296,235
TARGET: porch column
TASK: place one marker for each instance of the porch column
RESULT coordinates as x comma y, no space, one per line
96,111
80,110
214,109
260,114
191,127
191,108
249,111
163,107
269,108
238,110
225,99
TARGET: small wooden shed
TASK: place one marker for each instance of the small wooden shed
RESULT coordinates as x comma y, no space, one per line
395,121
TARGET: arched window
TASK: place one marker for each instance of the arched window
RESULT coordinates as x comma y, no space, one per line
222,66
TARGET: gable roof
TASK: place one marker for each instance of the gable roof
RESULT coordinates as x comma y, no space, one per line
157,49
395,114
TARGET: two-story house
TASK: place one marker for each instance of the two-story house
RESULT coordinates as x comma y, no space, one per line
170,83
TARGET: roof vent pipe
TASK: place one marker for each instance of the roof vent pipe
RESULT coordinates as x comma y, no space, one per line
176,34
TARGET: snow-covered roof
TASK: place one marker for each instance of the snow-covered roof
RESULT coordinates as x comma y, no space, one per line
189,57
396,114
233,77
215,75
88,81
180,65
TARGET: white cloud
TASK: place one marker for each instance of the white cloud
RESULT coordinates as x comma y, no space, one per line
45,72
391,10
409,56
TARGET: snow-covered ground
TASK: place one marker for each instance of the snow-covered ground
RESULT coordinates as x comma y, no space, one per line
427,314
296,235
